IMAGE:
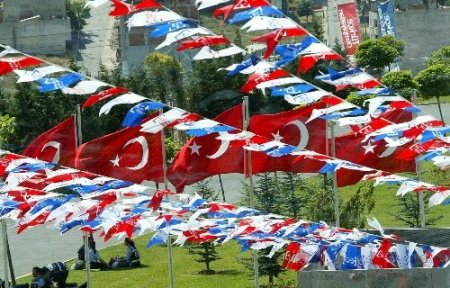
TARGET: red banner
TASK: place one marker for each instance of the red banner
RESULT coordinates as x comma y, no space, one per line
349,24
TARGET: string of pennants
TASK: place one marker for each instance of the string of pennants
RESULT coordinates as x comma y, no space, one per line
219,140
30,177
70,198
261,15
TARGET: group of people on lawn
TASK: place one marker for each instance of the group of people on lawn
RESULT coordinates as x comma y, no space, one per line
54,275
131,258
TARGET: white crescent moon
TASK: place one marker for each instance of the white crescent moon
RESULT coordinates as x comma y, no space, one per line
144,159
222,149
304,134
57,146
388,152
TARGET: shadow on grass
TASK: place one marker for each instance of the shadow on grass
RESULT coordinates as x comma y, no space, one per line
142,266
228,272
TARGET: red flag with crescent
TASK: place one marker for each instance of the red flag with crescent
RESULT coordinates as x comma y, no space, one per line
127,154
56,145
206,156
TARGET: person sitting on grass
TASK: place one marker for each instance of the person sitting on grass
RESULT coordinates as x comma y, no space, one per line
95,261
131,259
40,280
79,264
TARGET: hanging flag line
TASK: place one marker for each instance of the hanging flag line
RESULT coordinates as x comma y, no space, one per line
254,142
179,24
309,47
113,207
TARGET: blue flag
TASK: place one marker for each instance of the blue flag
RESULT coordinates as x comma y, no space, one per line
336,115
53,84
384,91
137,112
33,167
293,50
432,133
209,130
268,10
291,90
251,61
352,258
161,29
387,23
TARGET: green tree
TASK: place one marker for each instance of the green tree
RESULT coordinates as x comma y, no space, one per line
337,47
409,212
289,183
77,14
305,9
354,212
434,81
211,92
316,27
401,81
358,100
206,252
320,205
375,54
390,40
36,112
268,197
6,130
441,56
165,75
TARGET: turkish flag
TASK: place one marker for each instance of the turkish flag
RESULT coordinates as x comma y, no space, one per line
239,4
296,257
381,258
375,155
205,156
56,145
272,38
202,41
105,94
291,128
308,61
123,9
127,154
256,78
6,161
7,65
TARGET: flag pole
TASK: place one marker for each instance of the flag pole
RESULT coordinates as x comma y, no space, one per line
335,188
5,257
248,166
166,186
78,142
11,267
419,172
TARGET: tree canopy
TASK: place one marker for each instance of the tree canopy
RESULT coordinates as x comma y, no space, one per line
375,54
401,81
440,56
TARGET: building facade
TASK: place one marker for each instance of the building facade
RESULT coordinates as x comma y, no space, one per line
35,26
423,25
135,44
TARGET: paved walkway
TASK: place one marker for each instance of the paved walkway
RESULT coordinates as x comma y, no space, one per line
96,43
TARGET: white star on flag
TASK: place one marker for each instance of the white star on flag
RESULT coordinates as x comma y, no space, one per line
195,148
369,148
277,136
115,161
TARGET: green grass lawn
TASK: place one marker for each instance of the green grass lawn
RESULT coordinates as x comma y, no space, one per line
154,273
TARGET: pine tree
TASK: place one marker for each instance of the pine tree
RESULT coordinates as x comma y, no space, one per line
268,199
206,251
